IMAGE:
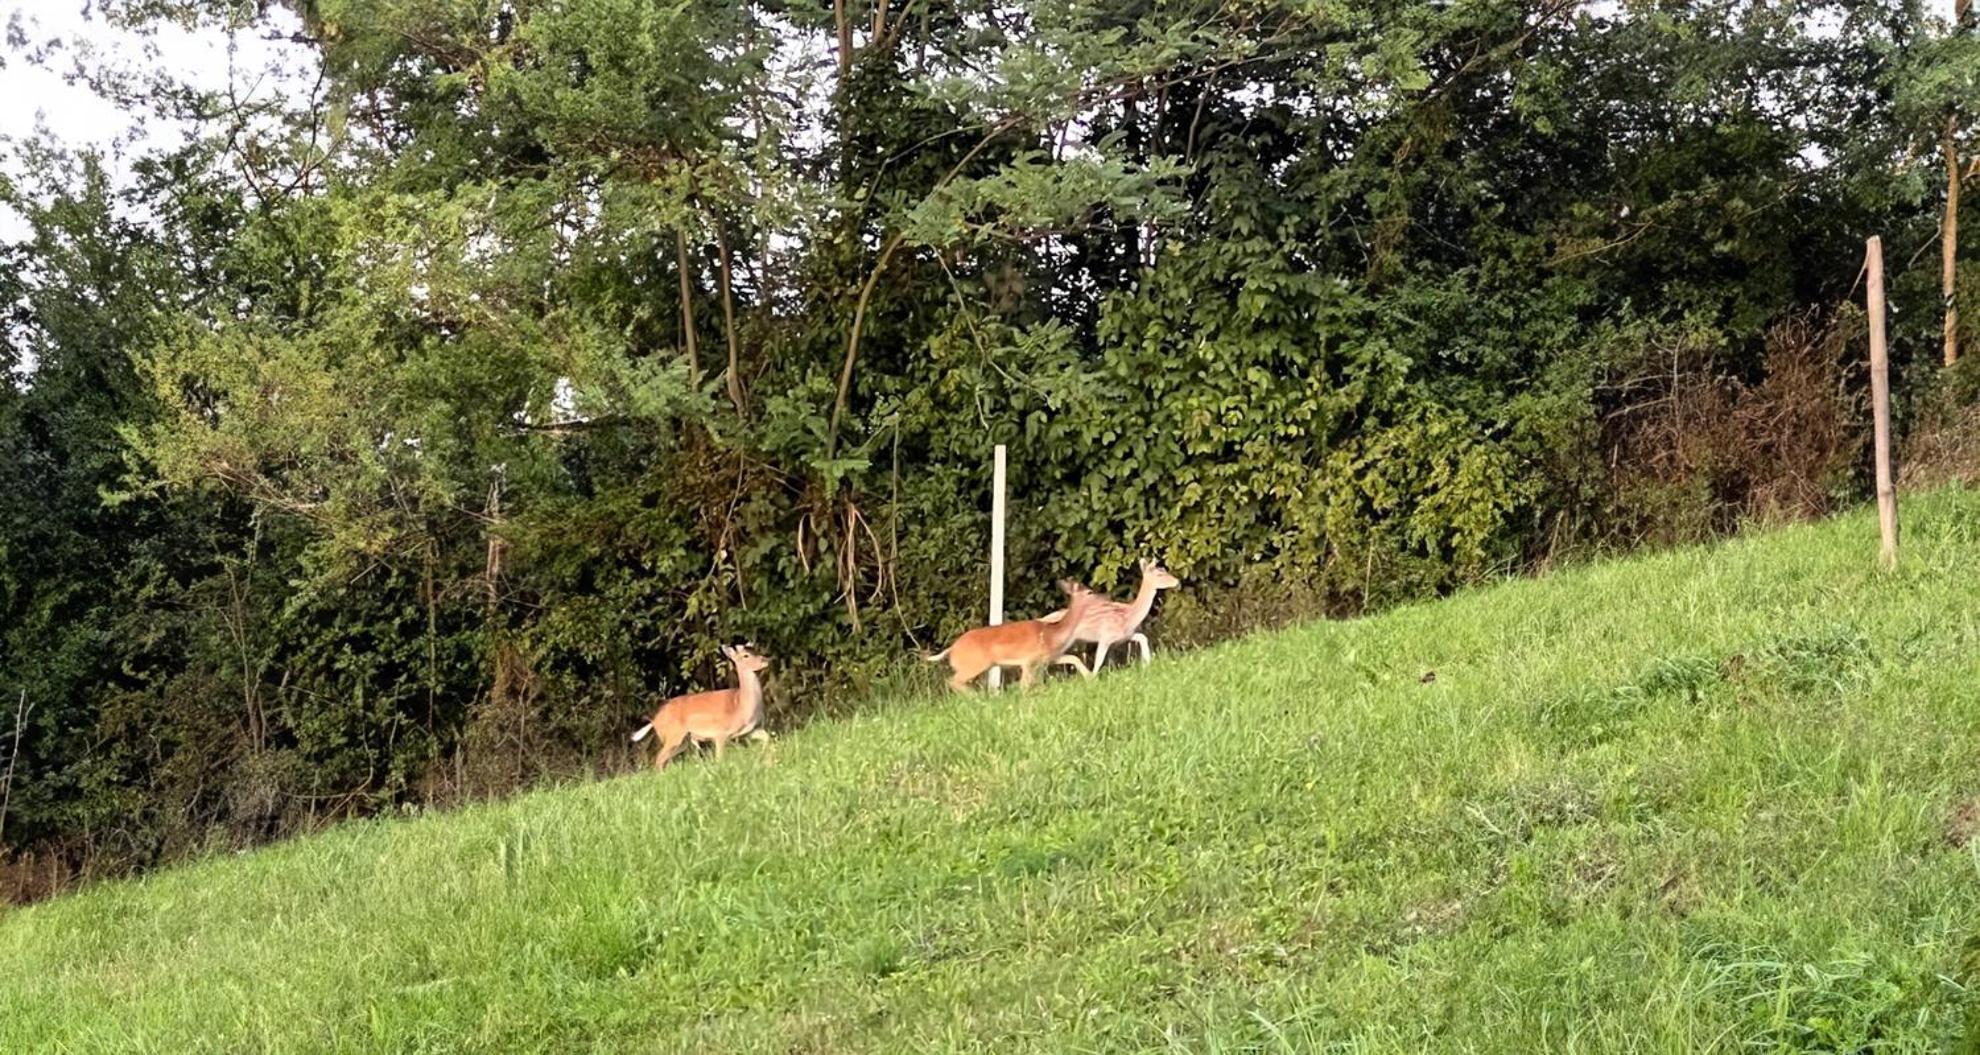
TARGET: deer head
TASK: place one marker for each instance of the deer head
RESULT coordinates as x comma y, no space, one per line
746,661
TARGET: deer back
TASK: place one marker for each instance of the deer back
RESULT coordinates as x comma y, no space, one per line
707,713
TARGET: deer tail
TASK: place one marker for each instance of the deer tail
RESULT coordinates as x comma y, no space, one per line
939,656
643,730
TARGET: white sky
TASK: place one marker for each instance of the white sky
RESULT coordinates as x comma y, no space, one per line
34,94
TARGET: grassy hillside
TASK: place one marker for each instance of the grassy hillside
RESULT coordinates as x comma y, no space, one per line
1709,800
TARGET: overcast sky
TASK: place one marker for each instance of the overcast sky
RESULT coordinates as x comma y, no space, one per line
32,94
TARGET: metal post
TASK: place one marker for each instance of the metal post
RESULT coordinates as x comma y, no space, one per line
997,553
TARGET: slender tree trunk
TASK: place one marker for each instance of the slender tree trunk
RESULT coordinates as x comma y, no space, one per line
13,756
873,278
687,303
729,318
1949,232
762,263
432,601
852,343
497,547
1136,144
501,682
921,46
843,20
1949,247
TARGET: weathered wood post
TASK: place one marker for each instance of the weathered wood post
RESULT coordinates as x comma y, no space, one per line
1880,405
997,553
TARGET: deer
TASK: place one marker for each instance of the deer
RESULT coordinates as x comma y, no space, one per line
720,715
1109,622
1027,645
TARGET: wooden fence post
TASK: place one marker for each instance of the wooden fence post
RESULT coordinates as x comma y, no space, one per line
1880,406
997,553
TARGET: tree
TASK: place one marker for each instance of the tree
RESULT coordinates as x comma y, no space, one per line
1949,146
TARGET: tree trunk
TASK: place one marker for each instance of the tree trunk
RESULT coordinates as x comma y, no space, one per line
729,318
687,304
13,756
852,344
1949,231
843,20
873,277
1949,246
497,547
432,601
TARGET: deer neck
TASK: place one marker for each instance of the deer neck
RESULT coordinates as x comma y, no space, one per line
1062,632
1144,602
749,694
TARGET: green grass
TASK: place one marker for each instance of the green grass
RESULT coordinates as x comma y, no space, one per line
1699,801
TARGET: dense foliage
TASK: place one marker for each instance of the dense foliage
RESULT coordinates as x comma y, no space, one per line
403,437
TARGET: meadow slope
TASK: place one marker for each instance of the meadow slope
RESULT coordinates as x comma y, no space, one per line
1709,800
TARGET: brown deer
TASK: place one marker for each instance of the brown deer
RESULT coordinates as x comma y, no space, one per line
1109,622
720,715
1027,645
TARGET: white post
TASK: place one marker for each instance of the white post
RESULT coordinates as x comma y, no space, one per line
997,553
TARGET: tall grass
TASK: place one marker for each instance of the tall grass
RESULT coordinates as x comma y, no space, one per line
1703,801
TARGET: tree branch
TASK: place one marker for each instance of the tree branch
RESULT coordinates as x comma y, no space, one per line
687,303
729,317
873,279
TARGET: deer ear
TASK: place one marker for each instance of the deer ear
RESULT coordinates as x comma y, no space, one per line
729,652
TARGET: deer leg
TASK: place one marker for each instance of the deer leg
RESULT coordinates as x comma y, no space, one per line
1142,640
1029,675
720,743
1100,654
667,753
1067,659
